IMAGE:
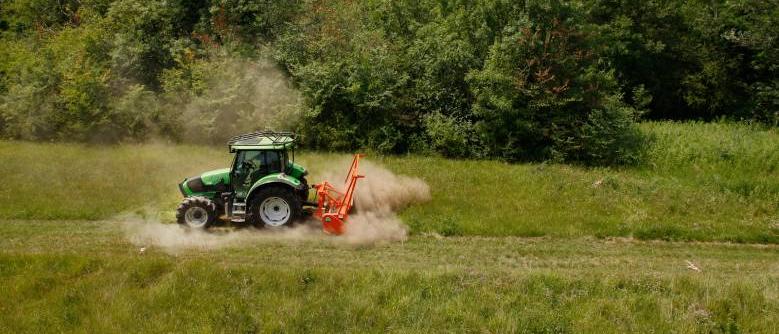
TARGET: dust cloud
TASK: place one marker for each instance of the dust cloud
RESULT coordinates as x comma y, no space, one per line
174,239
382,191
373,222
239,96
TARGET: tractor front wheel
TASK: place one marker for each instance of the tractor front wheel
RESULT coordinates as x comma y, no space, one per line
196,212
273,207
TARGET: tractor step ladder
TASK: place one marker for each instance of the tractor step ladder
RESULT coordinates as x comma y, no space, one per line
333,206
239,212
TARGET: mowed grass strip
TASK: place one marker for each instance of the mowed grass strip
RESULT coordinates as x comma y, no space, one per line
60,276
706,182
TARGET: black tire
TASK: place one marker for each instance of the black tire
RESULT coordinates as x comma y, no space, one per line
274,206
196,212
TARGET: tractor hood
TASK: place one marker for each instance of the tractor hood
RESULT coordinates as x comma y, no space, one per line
215,176
208,182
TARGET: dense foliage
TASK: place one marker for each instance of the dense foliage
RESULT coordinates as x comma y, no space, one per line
696,59
516,80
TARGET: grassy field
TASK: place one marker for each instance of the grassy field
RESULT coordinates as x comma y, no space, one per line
707,182
85,277
688,242
700,182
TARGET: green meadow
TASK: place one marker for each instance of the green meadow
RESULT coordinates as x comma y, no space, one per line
685,242
704,182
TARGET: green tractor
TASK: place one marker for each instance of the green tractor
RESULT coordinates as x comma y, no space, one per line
263,186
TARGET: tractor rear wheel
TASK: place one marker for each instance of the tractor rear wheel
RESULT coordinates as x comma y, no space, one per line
196,212
273,207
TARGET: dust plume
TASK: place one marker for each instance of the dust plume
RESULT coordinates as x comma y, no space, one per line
373,228
379,195
174,239
239,96
382,191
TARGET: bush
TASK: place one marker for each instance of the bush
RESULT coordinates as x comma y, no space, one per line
541,94
58,86
611,136
697,59
253,20
451,137
29,100
754,25
136,115
451,76
122,70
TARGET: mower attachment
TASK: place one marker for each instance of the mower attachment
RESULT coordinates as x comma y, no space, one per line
333,207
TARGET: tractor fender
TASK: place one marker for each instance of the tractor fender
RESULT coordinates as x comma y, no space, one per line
275,179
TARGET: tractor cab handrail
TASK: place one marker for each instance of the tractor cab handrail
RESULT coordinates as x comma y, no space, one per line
273,136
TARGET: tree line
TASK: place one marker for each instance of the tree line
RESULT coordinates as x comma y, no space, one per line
514,80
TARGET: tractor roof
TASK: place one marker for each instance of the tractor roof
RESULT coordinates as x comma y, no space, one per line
262,140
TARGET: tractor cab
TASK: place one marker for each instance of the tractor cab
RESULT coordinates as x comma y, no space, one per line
262,154
249,166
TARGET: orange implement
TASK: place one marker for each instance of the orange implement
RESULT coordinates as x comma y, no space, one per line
333,206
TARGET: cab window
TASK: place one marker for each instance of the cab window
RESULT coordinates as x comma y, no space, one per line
272,161
259,163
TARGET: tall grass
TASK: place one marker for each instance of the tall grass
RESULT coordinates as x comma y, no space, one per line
700,182
735,158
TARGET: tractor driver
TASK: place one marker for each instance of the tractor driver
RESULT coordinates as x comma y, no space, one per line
251,163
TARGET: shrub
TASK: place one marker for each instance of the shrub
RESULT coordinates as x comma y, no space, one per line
58,85
754,25
697,59
451,136
252,20
541,94
611,136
